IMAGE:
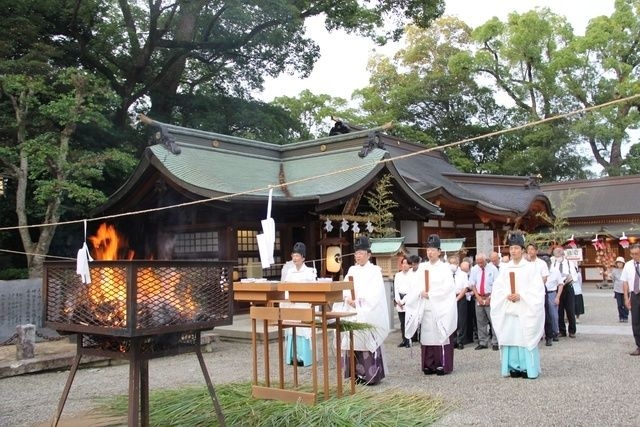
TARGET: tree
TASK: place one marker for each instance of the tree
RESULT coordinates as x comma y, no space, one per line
632,162
524,58
544,70
557,232
608,65
47,170
314,113
159,49
431,101
381,203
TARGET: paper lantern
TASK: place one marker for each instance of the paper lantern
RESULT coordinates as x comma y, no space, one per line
334,259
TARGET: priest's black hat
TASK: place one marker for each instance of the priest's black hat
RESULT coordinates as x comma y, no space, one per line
516,239
300,248
362,244
433,241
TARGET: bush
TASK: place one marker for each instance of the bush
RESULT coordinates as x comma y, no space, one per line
14,273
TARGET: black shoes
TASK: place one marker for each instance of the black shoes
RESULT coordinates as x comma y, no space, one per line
555,338
548,342
495,347
480,347
517,374
438,371
459,346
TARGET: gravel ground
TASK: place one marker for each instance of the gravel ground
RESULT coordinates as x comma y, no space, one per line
584,381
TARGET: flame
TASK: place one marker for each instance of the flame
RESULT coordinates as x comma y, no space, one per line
161,297
106,243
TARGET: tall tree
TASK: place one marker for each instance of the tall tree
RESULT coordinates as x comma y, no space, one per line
524,58
39,153
544,70
431,101
157,48
52,168
608,68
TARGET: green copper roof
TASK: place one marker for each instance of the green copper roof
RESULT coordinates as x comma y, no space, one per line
231,172
451,245
386,245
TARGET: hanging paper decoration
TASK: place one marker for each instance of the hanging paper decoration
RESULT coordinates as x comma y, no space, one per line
370,227
624,241
597,244
571,242
355,227
328,226
83,259
266,240
345,225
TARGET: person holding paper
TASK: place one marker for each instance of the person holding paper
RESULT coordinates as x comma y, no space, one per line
298,271
370,303
434,310
517,313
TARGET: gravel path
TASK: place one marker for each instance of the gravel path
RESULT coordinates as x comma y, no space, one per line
584,381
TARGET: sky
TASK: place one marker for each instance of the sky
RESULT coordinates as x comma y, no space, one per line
339,74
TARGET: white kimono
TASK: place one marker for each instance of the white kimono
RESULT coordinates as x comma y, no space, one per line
437,316
371,307
519,323
305,274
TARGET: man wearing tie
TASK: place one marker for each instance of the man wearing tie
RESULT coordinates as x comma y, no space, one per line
481,279
631,287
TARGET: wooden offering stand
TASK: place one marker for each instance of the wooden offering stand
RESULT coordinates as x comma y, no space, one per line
317,294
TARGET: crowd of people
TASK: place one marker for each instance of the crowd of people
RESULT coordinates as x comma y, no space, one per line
509,304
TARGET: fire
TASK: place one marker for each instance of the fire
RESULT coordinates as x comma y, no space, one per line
161,296
107,243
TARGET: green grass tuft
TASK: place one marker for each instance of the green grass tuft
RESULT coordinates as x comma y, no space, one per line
191,407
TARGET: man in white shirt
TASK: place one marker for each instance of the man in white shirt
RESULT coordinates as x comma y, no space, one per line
631,287
543,269
463,296
481,277
567,301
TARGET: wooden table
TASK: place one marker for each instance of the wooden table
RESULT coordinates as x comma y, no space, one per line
317,294
257,292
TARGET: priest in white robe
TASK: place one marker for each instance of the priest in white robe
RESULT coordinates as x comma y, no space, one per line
517,313
370,303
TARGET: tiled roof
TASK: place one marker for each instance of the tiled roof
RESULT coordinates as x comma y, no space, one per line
325,169
322,170
431,174
612,196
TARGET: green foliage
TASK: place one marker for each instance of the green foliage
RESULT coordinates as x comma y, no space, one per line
163,50
314,113
557,232
632,161
193,407
381,203
430,95
13,273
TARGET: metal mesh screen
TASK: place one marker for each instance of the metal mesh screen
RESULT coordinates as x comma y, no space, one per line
148,345
133,298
